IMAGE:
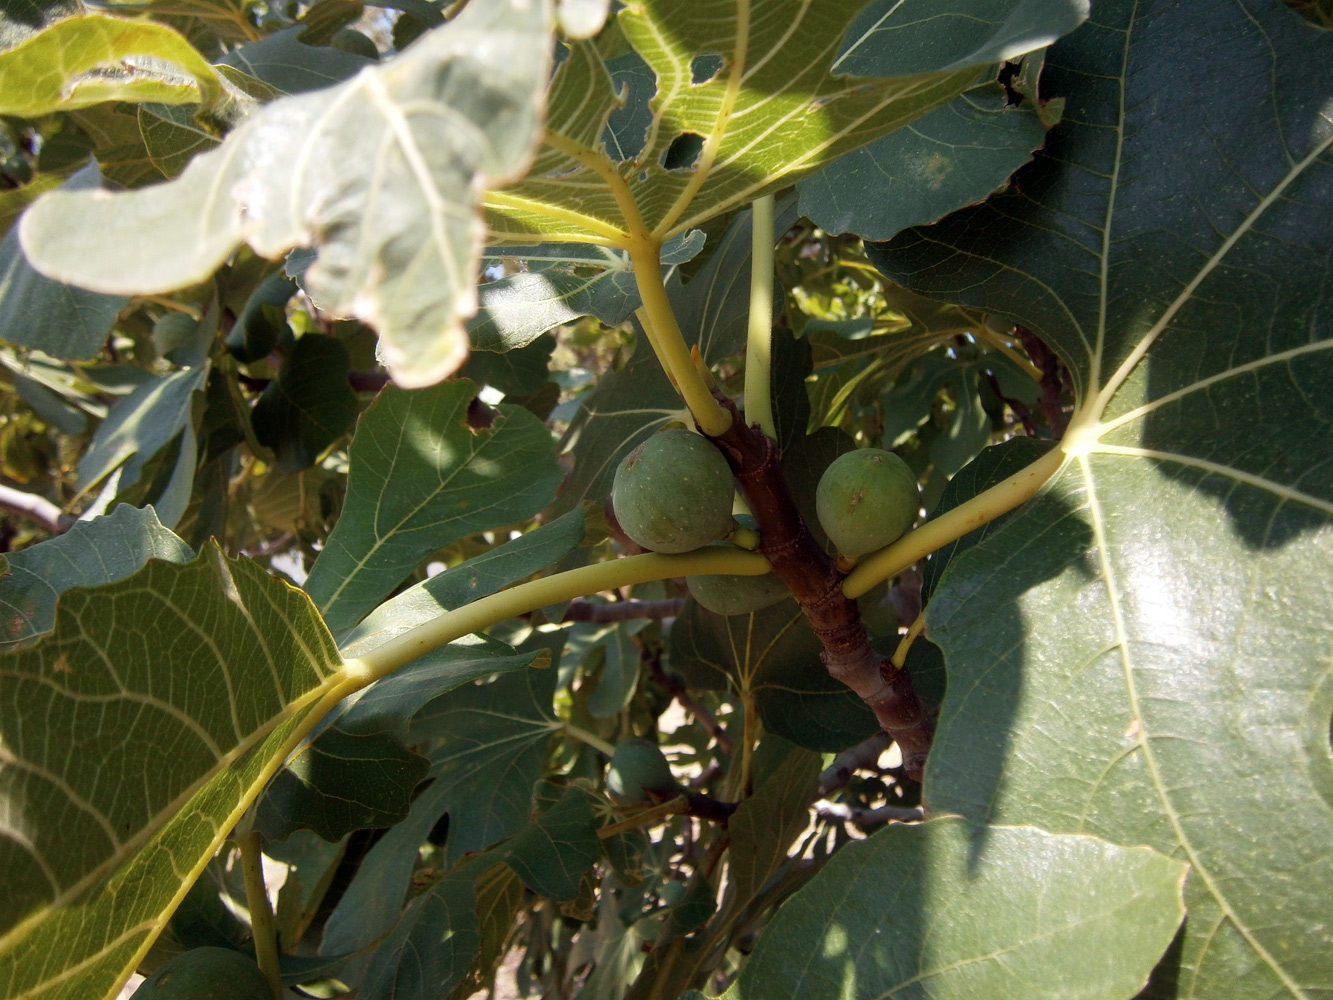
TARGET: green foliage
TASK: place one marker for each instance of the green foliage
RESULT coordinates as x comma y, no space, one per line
1065,272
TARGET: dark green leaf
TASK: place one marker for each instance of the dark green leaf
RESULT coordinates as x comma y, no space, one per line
945,910
1160,612
20,19
341,782
285,62
257,330
101,550
765,824
421,478
954,156
774,654
519,372
308,406
552,853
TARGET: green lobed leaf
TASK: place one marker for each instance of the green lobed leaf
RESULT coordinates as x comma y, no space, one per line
776,111
494,746
1141,653
308,406
437,943
340,782
954,156
101,550
420,478
65,66
946,910
174,694
552,853
379,173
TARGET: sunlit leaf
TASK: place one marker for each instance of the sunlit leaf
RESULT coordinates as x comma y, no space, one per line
949,911
219,667
379,174
1161,612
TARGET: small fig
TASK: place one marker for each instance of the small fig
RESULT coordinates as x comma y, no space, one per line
673,493
206,974
733,594
865,500
637,768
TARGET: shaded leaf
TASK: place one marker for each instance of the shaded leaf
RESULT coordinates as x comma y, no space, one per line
291,65
420,133
101,550
229,672
20,19
343,781
552,853
765,824
421,478
942,909
308,406
36,311
495,738
954,156
1160,612
773,654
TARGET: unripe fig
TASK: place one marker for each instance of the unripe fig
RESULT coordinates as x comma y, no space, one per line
206,974
637,768
865,500
733,594
673,493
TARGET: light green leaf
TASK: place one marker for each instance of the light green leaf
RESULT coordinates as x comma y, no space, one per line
91,58
182,688
102,550
1143,652
421,478
379,173
945,910
776,111
150,419
954,156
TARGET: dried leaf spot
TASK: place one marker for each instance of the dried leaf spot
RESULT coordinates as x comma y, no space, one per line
62,665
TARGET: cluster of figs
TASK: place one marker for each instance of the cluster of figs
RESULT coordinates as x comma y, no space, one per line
673,493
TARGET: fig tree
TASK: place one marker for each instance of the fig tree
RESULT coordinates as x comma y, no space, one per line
865,500
673,493
206,974
637,768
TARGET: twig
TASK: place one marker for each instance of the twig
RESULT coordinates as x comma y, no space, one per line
1052,391
867,818
36,509
847,763
678,689
802,564
586,611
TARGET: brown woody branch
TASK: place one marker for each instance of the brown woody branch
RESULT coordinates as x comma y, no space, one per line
1052,385
586,611
816,582
37,509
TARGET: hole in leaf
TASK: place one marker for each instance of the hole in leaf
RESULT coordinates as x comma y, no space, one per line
683,151
704,68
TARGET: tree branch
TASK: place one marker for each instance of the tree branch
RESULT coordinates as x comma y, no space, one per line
801,564
37,509
586,611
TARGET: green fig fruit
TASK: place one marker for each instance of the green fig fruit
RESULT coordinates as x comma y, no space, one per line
673,493
865,500
637,768
733,594
206,974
